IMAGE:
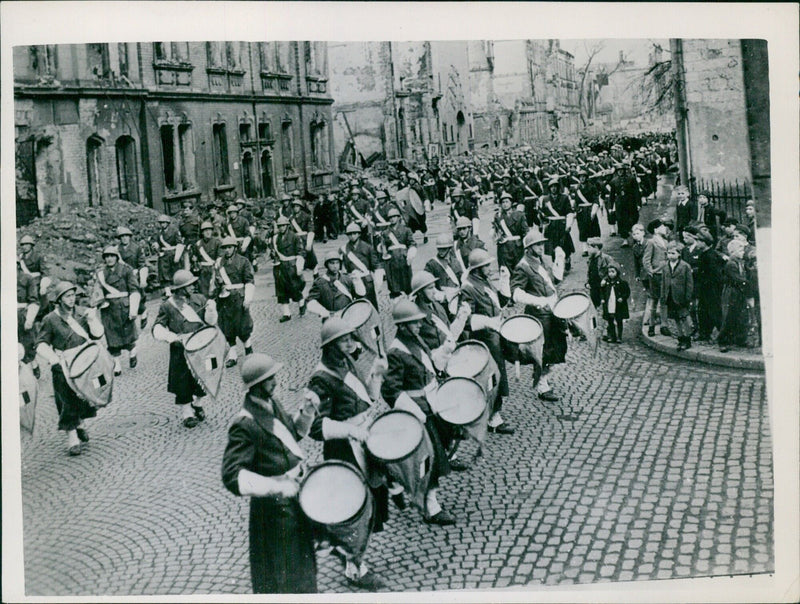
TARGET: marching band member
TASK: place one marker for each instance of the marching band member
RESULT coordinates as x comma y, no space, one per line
240,229
485,300
189,223
64,328
263,460
443,266
288,262
400,252
205,253
416,219
170,252
303,224
27,310
332,290
184,312
510,227
533,284
557,208
31,263
235,288
132,254
465,242
362,262
343,405
409,380
117,292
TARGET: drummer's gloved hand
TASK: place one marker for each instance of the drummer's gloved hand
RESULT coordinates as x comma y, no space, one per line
250,483
358,433
332,430
165,335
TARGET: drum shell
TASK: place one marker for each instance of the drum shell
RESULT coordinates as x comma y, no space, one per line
329,464
94,383
525,353
489,375
402,458
439,400
215,348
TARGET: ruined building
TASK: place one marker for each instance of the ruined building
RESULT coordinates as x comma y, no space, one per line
157,123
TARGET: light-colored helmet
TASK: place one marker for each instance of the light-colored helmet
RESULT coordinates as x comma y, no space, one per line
61,288
478,258
444,240
228,242
532,237
352,228
463,223
111,250
26,240
121,230
282,221
333,329
206,225
164,218
182,278
405,311
421,280
258,367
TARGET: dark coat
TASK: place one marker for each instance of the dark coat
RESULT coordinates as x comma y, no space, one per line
684,214
437,267
398,272
234,319
464,247
325,291
677,285
167,239
622,292
510,250
204,267
281,537
119,327
285,249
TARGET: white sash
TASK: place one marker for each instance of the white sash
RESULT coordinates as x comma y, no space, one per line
75,326
543,273
459,258
448,269
357,262
186,311
165,245
231,232
395,243
297,228
113,292
423,356
509,236
351,381
340,286
493,296
204,254
25,268
280,256
441,325
356,213
583,199
282,433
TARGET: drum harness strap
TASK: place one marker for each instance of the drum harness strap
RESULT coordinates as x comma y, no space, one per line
427,363
113,292
359,216
282,433
340,286
357,263
281,257
441,325
223,274
207,260
507,232
26,270
396,245
297,228
448,269
187,312
542,272
457,253
165,246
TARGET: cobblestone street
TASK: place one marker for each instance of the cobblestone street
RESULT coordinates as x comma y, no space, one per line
649,467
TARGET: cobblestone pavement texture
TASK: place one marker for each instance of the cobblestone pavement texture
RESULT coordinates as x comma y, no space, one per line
649,467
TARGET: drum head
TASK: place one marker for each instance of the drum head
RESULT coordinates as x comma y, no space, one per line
333,492
468,359
200,339
83,360
521,329
357,313
394,435
571,306
460,401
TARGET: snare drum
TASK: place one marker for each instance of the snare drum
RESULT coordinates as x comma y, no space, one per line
335,496
522,340
472,359
460,401
398,440
577,308
90,373
205,352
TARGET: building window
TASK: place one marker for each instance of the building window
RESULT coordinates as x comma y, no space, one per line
247,174
267,186
216,55
319,145
127,177
44,61
244,132
172,52
122,53
94,145
221,172
97,61
444,133
178,155
287,142
264,131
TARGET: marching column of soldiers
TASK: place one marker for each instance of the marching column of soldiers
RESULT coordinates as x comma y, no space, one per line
206,266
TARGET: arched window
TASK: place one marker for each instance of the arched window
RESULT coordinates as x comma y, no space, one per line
248,173
267,181
287,146
94,145
127,174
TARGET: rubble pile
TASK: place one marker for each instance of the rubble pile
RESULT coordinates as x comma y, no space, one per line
72,243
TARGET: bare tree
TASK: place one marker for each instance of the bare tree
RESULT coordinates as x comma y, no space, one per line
591,53
655,85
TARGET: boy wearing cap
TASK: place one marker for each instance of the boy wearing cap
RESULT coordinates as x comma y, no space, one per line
597,269
182,313
264,461
235,288
65,328
677,292
204,257
116,291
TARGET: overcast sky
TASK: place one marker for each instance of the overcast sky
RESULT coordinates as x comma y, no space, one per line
635,50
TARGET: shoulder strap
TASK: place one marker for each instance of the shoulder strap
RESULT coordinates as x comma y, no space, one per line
187,311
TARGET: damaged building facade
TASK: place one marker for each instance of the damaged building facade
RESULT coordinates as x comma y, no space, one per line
400,101
157,123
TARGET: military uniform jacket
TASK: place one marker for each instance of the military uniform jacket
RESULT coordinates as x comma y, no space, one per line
302,223
333,294
133,255
533,277
190,227
360,258
464,206
509,225
170,316
239,272
439,269
482,297
32,264
253,445
435,328
238,228
120,329
205,253
462,248
58,334
168,237
286,247
397,240
27,290
410,370
359,210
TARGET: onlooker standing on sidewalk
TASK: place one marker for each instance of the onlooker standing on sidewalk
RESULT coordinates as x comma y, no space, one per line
734,300
615,293
708,286
677,289
637,247
597,268
653,261
685,210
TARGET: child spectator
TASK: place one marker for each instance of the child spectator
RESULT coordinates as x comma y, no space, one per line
615,292
708,285
677,288
637,234
734,300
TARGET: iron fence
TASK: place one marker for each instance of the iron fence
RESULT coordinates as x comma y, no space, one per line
728,196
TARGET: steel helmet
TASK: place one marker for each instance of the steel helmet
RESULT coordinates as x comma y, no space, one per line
232,208
532,237
164,218
505,195
352,228
206,225
258,367
405,311
393,212
463,223
121,230
282,221
333,329
111,250
478,258
182,278
421,280
381,194
331,256
61,288
228,242
26,240
444,240
456,192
